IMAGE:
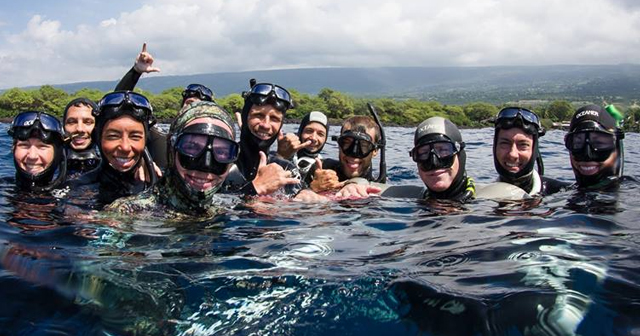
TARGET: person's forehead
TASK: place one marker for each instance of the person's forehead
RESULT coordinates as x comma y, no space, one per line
358,127
513,133
124,121
266,108
80,111
209,120
314,125
33,141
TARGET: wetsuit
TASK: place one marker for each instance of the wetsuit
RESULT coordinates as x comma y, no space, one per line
304,159
110,183
80,162
534,184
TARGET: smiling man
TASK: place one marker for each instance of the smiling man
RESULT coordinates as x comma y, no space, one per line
79,122
595,145
263,113
516,151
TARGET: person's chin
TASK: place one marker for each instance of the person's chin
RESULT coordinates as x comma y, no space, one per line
123,164
80,144
264,136
33,169
587,168
201,183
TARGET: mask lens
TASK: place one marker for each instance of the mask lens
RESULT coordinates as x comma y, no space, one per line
192,144
442,149
198,90
355,147
25,119
512,113
264,90
139,101
224,151
112,99
601,141
283,94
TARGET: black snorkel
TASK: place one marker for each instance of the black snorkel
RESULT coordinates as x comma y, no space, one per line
382,144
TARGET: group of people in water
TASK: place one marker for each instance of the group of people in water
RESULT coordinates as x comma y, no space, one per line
114,146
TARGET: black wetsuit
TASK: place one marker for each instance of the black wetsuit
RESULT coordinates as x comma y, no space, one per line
546,185
129,81
80,162
109,183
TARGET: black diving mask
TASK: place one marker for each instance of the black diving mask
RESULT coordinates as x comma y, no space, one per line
36,124
266,93
206,147
355,144
438,154
113,104
197,90
590,145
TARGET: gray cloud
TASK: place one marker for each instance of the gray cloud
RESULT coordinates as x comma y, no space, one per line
192,36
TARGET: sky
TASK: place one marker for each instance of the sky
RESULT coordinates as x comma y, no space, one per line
65,41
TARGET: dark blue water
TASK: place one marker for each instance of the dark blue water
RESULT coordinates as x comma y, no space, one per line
566,265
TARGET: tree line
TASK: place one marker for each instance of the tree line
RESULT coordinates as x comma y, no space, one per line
336,105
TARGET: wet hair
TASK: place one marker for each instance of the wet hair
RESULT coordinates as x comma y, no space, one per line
361,124
79,102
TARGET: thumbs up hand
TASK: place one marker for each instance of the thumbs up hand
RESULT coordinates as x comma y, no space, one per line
324,179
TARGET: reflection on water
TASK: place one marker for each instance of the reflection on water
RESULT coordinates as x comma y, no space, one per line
564,265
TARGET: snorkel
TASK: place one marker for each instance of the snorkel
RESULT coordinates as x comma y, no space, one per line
382,144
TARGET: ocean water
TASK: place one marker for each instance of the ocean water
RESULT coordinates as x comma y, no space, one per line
568,264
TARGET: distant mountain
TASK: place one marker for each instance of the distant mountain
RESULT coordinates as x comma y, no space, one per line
445,84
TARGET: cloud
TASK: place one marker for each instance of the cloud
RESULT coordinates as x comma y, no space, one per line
193,36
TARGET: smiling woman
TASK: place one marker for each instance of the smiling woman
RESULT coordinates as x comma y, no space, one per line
122,123
37,151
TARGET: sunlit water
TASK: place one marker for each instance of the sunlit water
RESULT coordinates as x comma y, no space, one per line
568,265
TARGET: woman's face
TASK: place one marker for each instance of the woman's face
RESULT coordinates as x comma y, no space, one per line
200,180
33,156
122,142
